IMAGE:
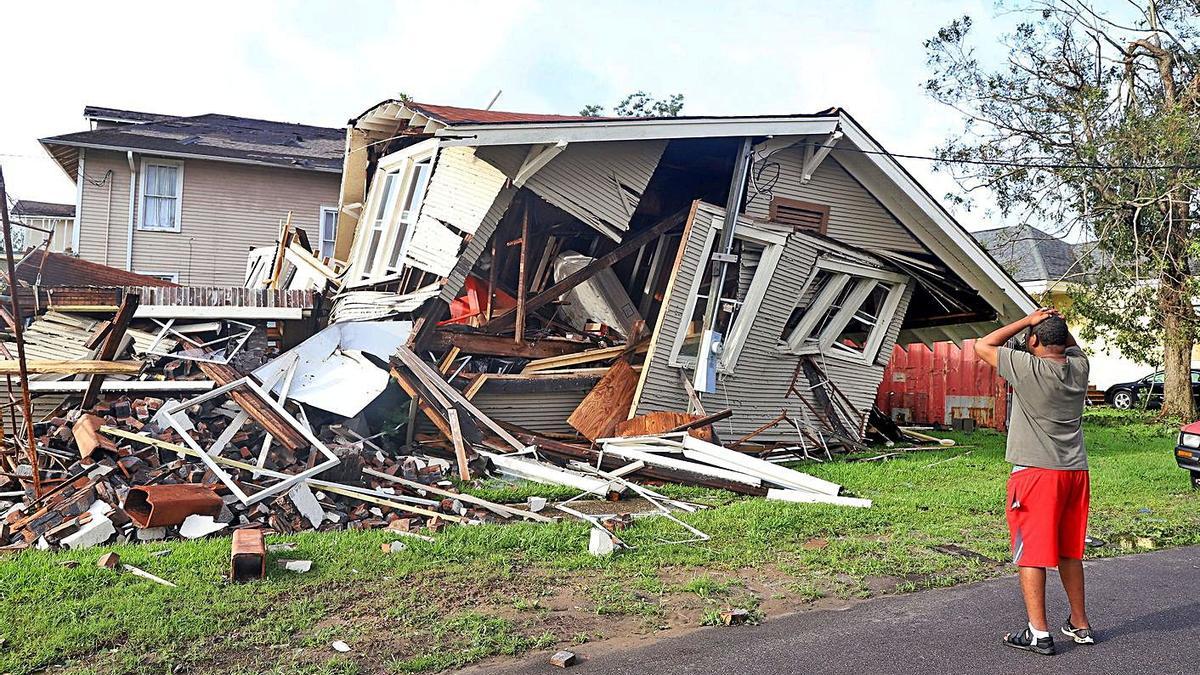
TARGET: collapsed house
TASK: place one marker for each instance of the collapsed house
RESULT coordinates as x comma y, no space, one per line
603,304
532,252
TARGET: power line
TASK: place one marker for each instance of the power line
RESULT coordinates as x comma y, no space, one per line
1030,165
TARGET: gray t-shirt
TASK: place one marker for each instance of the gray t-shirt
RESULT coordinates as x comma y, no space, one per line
1047,414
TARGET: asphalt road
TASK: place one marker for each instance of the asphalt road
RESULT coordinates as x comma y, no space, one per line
1145,607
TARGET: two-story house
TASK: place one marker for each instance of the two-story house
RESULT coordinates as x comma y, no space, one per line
185,198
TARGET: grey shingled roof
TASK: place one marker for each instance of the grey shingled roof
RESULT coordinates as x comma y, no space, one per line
119,115
1029,254
216,137
28,207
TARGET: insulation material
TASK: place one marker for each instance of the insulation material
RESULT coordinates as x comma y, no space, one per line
601,298
331,371
462,189
599,183
433,247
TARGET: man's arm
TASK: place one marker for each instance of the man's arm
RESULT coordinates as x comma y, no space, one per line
987,347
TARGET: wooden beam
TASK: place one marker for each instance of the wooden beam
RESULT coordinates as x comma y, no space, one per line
578,358
600,264
260,411
112,342
491,345
522,283
68,367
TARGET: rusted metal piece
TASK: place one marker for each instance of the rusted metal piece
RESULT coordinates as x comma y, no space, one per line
163,505
19,335
249,559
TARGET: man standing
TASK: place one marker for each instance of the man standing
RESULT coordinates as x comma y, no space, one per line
1048,489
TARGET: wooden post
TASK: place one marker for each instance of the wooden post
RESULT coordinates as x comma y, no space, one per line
519,333
112,343
487,314
19,334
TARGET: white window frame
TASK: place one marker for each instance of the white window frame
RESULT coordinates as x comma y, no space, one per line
401,164
865,278
773,244
172,277
141,219
321,230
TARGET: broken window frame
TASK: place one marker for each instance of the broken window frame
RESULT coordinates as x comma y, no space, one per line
864,280
393,224
773,243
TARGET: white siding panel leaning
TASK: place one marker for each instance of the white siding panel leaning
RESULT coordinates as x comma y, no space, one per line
601,184
433,247
462,190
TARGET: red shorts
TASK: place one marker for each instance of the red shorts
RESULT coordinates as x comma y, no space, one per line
1047,515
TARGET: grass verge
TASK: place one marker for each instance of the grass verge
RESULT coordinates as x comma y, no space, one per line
494,590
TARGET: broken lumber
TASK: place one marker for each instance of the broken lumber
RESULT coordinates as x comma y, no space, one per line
69,367
112,342
606,404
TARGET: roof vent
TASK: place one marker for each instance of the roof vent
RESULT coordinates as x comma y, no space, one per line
800,215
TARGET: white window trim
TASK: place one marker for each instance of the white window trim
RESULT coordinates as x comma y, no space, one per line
795,341
398,162
141,215
773,245
321,227
174,276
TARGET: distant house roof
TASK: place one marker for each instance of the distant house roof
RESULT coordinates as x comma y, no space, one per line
1030,254
95,112
212,136
65,270
28,207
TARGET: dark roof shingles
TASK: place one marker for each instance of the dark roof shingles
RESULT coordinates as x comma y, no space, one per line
224,137
1029,254
28,207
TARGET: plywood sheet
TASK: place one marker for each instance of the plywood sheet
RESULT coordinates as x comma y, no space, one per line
607,403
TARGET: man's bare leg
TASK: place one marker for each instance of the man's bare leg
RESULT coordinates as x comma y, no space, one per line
1070,571
1033,587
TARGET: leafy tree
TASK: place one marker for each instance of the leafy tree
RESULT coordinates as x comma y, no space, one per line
640,104
1092,125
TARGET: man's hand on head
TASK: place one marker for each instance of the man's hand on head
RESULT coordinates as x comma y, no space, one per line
1041,314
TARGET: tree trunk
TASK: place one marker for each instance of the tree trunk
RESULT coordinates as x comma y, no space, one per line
1178,338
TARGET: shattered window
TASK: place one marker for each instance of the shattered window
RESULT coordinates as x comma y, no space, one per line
745,283
383,212
413,196
841,313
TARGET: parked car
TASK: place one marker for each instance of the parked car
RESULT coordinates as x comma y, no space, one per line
1126,395
1187,452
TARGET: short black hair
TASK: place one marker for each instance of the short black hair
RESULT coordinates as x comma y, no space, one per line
1051,332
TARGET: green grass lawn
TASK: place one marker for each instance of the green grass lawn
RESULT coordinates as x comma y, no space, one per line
491,590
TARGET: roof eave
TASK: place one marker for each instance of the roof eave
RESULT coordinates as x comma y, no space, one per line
47,142
633,129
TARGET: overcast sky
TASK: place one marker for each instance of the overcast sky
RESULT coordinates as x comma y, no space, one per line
323,62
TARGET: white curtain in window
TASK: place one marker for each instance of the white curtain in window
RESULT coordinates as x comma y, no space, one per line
161,198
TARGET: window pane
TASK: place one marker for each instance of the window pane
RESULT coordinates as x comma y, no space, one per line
416,190
372,249
732,295
166,180
151,179
814,290
814,336
387,200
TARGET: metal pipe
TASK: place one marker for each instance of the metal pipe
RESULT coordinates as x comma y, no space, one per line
132,204
19,335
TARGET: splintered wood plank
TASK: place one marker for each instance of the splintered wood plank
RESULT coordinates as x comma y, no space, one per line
81,367
660,422
606,404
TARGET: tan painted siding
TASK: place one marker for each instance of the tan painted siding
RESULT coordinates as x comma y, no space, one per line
227,209
757,387
855,216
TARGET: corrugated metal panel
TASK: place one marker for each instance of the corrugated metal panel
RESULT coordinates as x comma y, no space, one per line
937,386
477,243
227,209
545,412
462,189
855,216
757,388
599,183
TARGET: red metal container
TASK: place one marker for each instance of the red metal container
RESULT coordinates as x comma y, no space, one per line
162,505
924,386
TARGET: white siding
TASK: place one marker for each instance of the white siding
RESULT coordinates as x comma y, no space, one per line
757,389
855,216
